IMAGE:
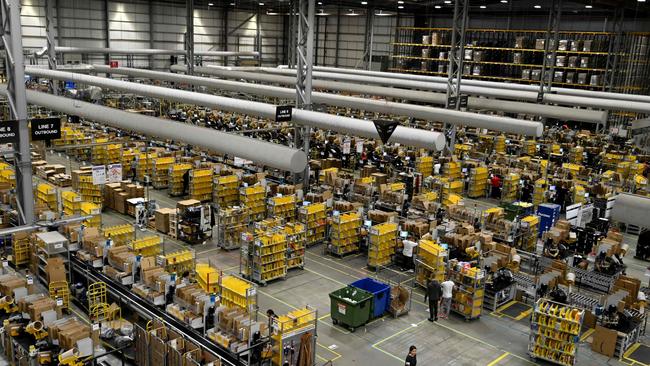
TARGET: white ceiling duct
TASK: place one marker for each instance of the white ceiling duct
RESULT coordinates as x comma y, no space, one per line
148,51
562,113
497,123
357,127
260,152
631,209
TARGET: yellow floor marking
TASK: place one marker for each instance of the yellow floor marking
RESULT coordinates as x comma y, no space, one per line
496,361
524,314
338,355
586,334
336,269
325,316
387,353
208,251
328,278
398,333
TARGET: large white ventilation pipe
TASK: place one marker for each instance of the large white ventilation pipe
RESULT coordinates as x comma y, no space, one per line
147,51
562,113
489,84
497,123
261,152
356,127
531,96
632,209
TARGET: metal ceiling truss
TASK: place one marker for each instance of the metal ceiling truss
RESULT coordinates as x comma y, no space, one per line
455,72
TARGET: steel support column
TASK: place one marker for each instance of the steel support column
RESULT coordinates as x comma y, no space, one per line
17,100
293,15
304,64
50,35
366,59
224,33
151,42
455,72
189,36
551,41
107,31
338,36
258,34
614,49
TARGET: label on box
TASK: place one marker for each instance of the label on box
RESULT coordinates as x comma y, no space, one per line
95,327
30,281
342,309
59,301
58,246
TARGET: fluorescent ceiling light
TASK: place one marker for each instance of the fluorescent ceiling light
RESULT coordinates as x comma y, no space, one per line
588,6
504,1
364,3
438,7
400,7
482,6
537,6
210,4
381,13
322,13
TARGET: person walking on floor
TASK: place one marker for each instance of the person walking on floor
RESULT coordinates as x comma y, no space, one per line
447,288
433,294
411,358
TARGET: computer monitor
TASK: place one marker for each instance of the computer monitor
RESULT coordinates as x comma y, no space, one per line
521,181
403,234
551,188
335,213
586,194
444,246
367,223
507,141
464,170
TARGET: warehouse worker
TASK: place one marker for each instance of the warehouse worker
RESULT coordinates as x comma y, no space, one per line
447,288
411,358
186,181
107,245
433,294
409,245
495,181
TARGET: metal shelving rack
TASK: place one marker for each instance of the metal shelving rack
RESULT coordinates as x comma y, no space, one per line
555,332
468,296
517,56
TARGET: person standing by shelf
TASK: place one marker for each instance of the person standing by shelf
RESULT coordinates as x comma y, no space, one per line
433,294
447,288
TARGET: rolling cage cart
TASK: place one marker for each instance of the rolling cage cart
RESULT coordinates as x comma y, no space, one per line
555,332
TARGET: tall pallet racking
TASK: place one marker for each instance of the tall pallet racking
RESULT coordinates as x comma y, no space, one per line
253,199
314,216
296,244
201,184
46,194
555,332
383,240
283,207
226,190
160,171
345,233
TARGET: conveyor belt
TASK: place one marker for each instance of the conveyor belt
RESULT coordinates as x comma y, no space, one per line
150,311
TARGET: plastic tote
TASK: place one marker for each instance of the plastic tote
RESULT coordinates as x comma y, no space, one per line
380,292
351,307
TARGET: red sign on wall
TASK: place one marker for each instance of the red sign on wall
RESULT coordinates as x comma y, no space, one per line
113,64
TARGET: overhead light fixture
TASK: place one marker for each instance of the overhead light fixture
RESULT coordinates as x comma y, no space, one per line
381,13
352,13
447,1
438,7
504,1
364,3
210,4
261,4
483,7
537,6
641,1
400,2
588,6
400,7
322,13
320,3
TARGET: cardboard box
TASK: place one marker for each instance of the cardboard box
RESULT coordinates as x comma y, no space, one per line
162,219
55,270
120,202
604,341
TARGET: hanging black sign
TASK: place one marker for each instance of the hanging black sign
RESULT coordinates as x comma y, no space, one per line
283,113
9,132
385,128
463,101
46,128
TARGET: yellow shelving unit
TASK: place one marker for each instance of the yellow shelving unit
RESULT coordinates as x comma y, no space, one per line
477,182
576,154
470,288
176,172
268,257
94,210
529,147
345,233
201,184
89,192
147,246
207,277
226,190
120,234
424,165
383,240
253,198
451,170
289,329
296,243
145,164
539,192
71,203
113,153
100,153
530,230
283,207
46,194
20,245
555,332
314,216
7,174
127,160
500,144
237,292
430,262
160,173
178,262
510,187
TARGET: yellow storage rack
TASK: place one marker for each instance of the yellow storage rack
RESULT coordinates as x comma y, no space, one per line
176,172
94,210
452,170
510,187
254,199
127,160
555,332
268,257
71,203
314,216
500,144
529,147
345,233
231,223
99,153
20,244
539,192
430,262
289,329
7,174
147,246
120,234
470,287
576,154
145,164
201,184
207,277
160,173
226,190
177,262
296,243
89,191
283,207
424,165
85,153
477,182
113,153
46,194
529,233
383,240
578,193
237,292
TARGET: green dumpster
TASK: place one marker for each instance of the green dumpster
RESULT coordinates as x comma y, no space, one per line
351,307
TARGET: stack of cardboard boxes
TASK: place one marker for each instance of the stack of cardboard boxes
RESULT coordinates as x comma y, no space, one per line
37,304
116,194
162,219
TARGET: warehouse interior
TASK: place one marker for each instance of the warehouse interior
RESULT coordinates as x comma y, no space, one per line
320,183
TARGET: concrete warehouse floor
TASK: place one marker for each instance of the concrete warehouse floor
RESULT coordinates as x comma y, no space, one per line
493,339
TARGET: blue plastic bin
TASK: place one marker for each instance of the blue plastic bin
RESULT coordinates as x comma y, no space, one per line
380,294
